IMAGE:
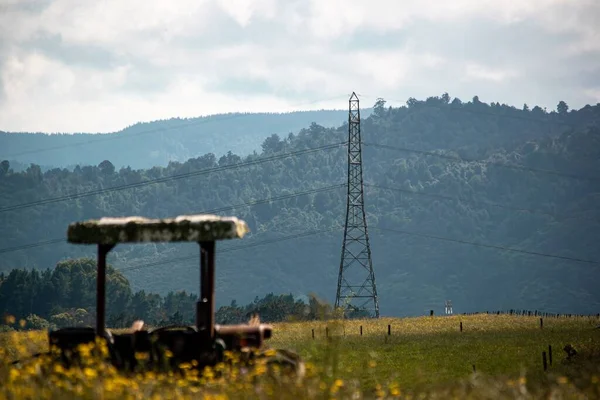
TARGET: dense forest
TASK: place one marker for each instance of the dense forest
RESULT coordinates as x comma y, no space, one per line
450,187
149,144
65,296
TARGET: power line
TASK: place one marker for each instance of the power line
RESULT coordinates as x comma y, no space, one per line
169,178
213,211
30,245
498,164
488,245
117,136
262,243
444,197
315,232
427,236
276,198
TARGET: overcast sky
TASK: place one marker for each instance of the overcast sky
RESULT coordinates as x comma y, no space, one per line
98,66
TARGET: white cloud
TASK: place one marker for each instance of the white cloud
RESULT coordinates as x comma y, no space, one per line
477,71
82,99
98,66
593,95
244,10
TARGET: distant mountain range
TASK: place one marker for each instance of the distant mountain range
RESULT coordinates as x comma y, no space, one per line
150,144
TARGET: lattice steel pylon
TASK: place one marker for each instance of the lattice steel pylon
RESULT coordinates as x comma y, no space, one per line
356,290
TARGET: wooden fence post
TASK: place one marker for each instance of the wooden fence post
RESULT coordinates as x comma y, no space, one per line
544,360
550,353
461,326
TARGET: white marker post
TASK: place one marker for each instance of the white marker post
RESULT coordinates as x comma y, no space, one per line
448,307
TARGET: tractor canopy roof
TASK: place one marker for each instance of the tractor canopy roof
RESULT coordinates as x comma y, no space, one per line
184,228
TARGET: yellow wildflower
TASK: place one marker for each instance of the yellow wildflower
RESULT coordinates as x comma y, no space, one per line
270,353
90,373
394,389
522,380
14,374
260,369
336,386
85,350
185,365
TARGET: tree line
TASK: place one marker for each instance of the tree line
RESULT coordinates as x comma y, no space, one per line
65,296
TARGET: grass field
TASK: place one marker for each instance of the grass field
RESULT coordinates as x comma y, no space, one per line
425,357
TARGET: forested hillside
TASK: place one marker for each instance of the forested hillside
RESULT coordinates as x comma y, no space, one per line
443,179
149,144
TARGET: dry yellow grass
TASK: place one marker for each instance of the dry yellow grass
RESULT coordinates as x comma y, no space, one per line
426,356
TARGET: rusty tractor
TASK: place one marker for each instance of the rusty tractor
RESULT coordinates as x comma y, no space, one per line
202,344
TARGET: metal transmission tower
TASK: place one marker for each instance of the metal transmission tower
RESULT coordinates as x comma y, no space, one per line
356,289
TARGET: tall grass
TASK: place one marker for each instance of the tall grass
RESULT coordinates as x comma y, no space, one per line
426,357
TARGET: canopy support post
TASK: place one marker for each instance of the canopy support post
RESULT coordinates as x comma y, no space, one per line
205,308
103,250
